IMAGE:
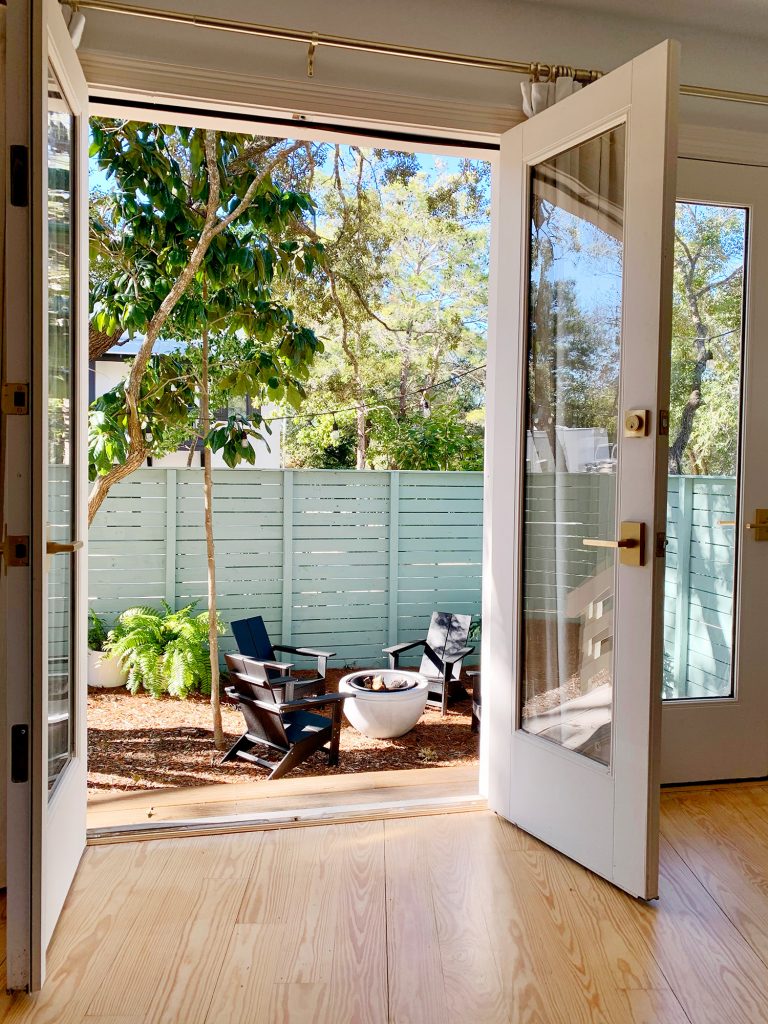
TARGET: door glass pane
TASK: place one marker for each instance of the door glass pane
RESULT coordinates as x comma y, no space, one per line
574,343
702,506
60,404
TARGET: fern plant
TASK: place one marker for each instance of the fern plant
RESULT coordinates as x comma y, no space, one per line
164,651
97,632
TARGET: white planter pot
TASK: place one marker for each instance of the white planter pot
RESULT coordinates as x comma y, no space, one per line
385,714
105,672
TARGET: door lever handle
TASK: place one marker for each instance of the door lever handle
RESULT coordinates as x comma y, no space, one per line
55,548
759,527
628,542
631,543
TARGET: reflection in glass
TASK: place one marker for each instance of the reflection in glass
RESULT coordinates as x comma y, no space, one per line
702,505
60,464
574,342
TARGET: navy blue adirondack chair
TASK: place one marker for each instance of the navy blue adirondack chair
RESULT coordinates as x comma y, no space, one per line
253,642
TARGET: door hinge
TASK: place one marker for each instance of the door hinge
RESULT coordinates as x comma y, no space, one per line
19,753
19,188
14,551
15,399
661,544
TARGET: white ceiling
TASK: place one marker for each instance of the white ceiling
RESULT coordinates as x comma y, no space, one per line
740,17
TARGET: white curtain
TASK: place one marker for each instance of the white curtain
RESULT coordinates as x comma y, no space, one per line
537,96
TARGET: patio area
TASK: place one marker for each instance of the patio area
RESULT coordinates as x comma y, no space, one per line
153,760
139,743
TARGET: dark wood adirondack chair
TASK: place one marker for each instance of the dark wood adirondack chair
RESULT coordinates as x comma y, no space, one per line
445,647
253,641
285,687
288,727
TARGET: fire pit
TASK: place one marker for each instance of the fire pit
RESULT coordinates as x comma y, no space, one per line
388,702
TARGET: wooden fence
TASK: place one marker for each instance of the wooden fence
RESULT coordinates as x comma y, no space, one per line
356,561
699,587
346,560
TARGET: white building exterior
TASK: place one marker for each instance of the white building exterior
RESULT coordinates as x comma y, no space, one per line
110,370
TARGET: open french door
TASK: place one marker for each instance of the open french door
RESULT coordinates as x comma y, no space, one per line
45,479
578,385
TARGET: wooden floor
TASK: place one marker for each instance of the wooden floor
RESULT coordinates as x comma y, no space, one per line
450,918
265,800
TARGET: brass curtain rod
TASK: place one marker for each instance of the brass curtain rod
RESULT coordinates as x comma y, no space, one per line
312,40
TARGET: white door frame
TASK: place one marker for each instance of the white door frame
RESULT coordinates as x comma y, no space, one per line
46,837
727,737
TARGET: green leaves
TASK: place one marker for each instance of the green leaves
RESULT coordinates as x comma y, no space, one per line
165,652
107,442
235,438
146,224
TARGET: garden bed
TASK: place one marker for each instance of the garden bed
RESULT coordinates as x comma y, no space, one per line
139,743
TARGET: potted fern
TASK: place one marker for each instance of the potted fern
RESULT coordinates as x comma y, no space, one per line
163,651
104,670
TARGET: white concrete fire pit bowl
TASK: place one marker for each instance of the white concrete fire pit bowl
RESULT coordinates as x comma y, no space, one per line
384,714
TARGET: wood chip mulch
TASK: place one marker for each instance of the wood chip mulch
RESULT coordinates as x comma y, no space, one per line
140,743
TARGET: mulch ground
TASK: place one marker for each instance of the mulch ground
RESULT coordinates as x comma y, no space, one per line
139,743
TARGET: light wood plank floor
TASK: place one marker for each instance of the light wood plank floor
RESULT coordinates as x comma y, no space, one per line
450,918
261,798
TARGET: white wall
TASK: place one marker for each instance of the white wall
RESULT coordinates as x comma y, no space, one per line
109,372
723,45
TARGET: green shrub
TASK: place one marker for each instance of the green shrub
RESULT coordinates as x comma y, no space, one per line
97,631
164,651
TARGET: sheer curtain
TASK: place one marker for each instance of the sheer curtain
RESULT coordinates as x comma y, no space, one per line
538,95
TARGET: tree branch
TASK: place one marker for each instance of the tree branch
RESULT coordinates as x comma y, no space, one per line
250,192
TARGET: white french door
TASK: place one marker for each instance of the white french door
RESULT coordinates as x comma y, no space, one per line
577,470
45,479
715,716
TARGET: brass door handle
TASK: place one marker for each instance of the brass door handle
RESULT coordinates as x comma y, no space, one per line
55,548
628,542
759,527
631,543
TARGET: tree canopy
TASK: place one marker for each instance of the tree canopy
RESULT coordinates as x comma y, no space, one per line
192,211
706,339
401,307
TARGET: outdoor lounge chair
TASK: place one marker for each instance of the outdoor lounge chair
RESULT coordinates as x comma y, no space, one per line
444,650
284,686
288,727
253,641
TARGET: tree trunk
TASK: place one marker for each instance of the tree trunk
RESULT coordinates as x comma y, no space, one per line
542,375
213,635
99,342
362,436
405,379
679,445
703,355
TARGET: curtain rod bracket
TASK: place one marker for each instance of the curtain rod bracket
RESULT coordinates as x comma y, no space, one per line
311,55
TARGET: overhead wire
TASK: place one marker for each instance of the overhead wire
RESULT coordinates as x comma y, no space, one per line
395,399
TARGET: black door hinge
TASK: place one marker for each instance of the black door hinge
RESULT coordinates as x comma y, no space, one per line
19,176
19,753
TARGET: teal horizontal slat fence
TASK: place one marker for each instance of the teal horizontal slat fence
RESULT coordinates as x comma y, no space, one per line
699,586
343,560
356,561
